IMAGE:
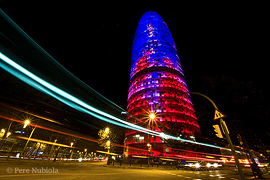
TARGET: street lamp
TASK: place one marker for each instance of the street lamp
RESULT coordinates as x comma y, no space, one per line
26,122
4,138
85,150
108,145
71,144
152,116
8,134
107,130
2,132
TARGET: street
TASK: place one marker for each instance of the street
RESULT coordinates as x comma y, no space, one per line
98,170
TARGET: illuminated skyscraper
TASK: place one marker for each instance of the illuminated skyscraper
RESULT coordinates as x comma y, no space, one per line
155,77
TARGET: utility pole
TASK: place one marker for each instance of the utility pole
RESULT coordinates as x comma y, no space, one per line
240,170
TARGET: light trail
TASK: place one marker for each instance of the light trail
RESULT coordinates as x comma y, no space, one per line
104,152
119,145
93,140
68,134
32,114
14,65
201,152
61,95
23,74
46,142
52,130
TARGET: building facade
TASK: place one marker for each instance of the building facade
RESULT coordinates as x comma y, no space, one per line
156,77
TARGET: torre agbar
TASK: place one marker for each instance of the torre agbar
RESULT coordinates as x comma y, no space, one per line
156,77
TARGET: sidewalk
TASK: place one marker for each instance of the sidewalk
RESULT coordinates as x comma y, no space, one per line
247,172
44,162
14,161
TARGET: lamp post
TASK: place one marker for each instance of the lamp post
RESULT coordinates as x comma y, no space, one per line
8,134
4,140
26,123
71,144
52,149
2,132
85,150
108,143
152,117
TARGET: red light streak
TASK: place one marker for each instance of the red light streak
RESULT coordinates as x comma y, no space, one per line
119,145
60,132
50,120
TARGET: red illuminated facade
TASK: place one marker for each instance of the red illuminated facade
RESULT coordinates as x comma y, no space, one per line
156,76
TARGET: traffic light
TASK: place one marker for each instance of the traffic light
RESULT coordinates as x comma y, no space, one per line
217,130
149,147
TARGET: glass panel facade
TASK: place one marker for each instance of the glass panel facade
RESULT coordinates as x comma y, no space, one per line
155,77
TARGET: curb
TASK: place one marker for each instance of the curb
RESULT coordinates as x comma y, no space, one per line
132,167
125,167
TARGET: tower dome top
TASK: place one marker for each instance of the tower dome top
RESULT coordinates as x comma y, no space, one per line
153,38
150,15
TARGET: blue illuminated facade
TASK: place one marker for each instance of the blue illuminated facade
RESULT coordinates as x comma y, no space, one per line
156,75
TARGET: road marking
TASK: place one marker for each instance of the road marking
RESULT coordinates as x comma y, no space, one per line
173,174
187,177
179,175
233,178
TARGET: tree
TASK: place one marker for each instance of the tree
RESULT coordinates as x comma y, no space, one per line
105,136
110,135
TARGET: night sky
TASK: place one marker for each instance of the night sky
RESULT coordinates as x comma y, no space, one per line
94,41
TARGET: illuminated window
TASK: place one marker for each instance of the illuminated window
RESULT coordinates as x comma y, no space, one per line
156,75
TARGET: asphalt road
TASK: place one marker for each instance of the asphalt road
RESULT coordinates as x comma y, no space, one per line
96,170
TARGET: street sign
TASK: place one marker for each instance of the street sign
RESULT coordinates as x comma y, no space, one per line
218,115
